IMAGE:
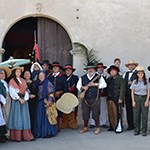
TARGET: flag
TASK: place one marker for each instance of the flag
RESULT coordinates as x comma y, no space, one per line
37,53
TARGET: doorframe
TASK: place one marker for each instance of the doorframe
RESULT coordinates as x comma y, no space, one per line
36,15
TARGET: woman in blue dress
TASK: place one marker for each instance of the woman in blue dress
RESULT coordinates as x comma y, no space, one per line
42,127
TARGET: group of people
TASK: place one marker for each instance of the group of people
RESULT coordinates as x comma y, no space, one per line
28,97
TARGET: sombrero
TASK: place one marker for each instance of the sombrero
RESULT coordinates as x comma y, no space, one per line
18,67
67,103
131,62
7,70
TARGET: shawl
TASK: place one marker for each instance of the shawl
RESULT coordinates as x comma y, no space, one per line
22,87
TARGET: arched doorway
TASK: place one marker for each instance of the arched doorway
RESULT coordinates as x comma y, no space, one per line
53,40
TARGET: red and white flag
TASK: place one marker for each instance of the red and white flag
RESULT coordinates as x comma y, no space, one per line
37,53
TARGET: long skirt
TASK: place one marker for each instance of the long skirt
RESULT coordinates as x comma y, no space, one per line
19,122
42,128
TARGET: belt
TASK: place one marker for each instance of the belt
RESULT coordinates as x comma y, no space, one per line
140,95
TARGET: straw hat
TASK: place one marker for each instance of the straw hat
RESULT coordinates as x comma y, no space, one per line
139,68
7,70
131,62
67,103
18,67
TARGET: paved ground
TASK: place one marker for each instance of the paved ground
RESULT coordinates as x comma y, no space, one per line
72,140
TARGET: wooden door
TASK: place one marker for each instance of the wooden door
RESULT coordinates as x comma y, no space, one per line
54,42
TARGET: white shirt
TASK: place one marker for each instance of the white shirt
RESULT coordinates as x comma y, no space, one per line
14,94
130,74
56,74
102,83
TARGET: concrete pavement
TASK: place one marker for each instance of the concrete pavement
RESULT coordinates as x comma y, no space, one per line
69,139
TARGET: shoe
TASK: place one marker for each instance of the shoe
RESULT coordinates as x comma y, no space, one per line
105,126
144,134
110,129
97,131
136,133
84,130
2,141
92,126
130,128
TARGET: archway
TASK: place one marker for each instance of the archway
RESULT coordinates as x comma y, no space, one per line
53,40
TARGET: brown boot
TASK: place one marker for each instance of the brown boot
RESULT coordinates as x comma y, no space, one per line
64,121
59,123
84,130
73,123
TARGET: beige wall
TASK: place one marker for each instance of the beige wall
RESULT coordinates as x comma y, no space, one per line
114,28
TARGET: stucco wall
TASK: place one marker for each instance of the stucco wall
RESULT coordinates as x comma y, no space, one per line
114,28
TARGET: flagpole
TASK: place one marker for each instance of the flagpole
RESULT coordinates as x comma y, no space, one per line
34,36
35,59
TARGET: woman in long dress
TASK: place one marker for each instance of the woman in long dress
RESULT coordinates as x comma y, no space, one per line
32,100
4,71
42,126
19,118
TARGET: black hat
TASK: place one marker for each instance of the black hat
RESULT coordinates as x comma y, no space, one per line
45,62
56,64
90,65
113,67
101,64
69,66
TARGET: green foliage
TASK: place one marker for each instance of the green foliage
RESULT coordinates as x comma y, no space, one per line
89,55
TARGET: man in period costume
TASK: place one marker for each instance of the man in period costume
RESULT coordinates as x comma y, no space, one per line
103,98
70,120
60,86
89,83
129,76
46,66
115,95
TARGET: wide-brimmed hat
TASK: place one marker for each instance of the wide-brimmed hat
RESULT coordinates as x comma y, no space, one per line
113,67
7,70
131,62
46,62
67,103
99,65
139,68
18,67
56,64
68,66
90,65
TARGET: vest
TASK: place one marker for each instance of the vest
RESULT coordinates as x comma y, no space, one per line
131,79
2,89
91,93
